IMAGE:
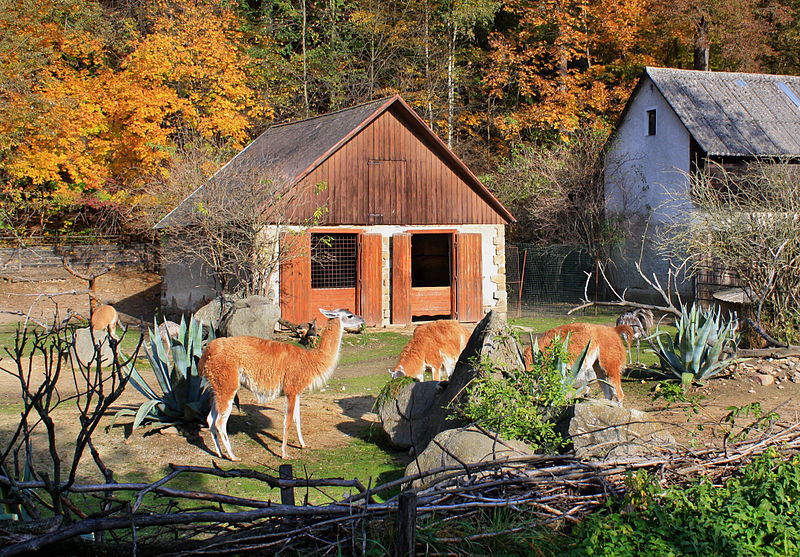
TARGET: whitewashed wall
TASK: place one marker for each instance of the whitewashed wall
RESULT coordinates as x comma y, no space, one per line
645,176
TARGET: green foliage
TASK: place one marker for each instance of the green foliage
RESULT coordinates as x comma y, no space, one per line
697,351
754,514
184,396
517,403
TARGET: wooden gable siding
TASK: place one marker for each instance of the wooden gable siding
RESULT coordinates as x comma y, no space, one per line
432,193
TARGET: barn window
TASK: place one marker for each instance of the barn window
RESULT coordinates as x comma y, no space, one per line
333,260
651,122
430,260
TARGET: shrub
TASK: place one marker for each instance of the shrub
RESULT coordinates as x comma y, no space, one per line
518,404
756,513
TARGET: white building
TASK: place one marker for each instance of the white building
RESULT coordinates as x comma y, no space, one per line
677,122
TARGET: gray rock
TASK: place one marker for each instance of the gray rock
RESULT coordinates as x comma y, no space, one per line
214,311
401,416
462,446
600,429
254,316
84,348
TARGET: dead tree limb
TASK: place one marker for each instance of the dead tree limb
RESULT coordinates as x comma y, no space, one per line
89,277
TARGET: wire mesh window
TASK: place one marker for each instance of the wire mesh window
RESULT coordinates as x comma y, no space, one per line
333,260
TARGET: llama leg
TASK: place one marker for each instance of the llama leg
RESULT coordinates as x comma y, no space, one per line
297,422
223,430
212,425
614,390
288,416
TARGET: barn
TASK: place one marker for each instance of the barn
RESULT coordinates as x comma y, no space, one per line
409,232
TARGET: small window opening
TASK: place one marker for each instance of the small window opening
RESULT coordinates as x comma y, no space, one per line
430,260
651,122
333,260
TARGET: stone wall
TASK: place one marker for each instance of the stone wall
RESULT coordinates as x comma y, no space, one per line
42,257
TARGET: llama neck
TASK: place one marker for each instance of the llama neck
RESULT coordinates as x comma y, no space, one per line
411,359
330,341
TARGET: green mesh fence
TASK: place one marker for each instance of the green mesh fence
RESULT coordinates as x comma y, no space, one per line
546,279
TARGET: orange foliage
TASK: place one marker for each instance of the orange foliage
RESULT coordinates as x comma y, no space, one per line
70,122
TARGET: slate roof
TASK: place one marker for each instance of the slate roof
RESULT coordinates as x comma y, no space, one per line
294,149
735,114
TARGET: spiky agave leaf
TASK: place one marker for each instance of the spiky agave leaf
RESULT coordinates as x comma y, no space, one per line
183,393
696,354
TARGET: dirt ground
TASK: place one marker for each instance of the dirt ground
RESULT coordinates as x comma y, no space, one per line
331,417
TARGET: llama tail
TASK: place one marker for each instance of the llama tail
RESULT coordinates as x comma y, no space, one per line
624,330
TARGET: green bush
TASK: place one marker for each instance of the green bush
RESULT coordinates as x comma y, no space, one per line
754,514
519,404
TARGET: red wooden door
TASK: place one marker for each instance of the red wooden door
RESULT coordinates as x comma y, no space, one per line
370,278
401,278
295,277
468,278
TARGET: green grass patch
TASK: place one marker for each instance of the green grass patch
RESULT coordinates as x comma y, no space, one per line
542,323
367,384
367,457
367,346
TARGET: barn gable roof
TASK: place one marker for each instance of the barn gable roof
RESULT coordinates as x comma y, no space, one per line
293,150
731,113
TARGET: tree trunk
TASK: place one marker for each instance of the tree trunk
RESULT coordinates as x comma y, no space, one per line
701,44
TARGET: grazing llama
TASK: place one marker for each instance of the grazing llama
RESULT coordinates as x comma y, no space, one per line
269,368
105,318
606,352
435,346
641,321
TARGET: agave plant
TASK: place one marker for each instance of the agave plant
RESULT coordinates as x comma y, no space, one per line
570,373
697,351
183,395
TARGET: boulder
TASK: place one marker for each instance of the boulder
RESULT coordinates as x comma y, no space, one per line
492,340
403,417
462,446
83,348
232,315
214,311
600,429
254,316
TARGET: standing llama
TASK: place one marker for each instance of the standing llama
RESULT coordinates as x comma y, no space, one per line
105,318
435,346
606,352
269,368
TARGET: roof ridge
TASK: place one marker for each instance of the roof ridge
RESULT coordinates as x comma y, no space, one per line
723,74
335,112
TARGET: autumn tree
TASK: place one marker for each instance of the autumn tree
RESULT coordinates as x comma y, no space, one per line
555,191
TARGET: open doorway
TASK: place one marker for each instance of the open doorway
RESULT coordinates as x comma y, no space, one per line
431,275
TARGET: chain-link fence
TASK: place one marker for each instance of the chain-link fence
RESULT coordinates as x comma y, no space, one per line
547,279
